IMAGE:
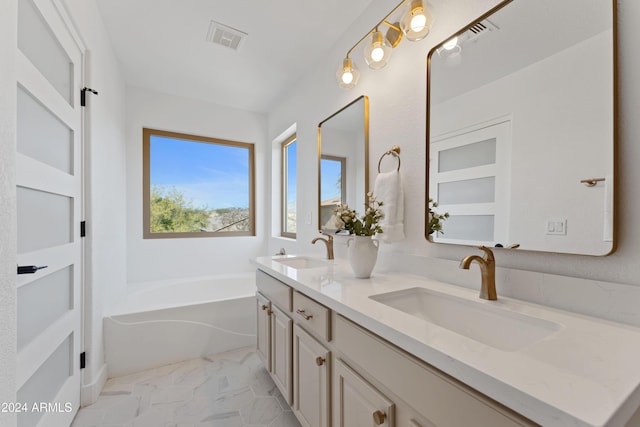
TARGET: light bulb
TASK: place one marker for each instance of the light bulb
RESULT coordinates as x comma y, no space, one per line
451,43
347,74
418,22
378,52
415,21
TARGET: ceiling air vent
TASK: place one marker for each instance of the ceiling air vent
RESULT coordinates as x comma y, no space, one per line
224,35
479,29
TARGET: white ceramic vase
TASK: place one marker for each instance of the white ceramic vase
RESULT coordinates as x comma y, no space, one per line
363,254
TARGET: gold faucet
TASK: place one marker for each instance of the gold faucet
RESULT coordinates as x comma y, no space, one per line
328,243
487,270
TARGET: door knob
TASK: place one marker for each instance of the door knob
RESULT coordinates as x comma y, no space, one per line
30,269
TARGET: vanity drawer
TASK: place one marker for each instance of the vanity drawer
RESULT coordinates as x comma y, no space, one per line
314,317
439,398
276,291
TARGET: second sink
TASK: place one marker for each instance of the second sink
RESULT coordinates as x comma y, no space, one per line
494,326
301,262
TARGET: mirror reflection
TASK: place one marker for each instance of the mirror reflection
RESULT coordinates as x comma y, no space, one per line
343,141
520,128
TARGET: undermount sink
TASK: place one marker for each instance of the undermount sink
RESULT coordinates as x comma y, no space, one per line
302,262
494,326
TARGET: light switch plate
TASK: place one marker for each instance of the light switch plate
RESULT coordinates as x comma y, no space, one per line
556,227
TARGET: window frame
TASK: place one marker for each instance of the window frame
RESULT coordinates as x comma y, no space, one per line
343,179
284,162
147,133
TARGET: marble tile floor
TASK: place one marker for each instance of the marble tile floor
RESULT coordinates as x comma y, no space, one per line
230,389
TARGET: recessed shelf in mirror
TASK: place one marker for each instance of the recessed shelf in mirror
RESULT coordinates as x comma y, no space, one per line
520,111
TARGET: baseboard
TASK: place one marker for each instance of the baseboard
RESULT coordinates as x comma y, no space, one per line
90,392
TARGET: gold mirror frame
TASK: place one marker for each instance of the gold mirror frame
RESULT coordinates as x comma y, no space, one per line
583,182
364,126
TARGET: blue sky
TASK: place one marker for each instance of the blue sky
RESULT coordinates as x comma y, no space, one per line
291,177
330,173
211,175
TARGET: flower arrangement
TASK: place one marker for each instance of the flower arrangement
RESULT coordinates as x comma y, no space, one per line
368,225
435,219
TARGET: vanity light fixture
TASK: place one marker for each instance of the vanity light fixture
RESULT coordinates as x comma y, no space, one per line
415,22
414,25
451,43
348,74
450,51
377,53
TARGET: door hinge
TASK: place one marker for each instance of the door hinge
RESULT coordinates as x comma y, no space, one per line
83,228
83,359
83,96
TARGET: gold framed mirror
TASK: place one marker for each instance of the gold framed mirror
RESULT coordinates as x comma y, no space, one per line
520,129
343,160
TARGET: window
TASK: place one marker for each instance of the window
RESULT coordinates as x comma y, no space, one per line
289,148
334,188
194,186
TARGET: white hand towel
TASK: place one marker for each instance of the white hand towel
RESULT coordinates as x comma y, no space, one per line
388,189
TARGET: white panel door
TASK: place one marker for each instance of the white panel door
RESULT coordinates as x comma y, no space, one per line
468,177
49,210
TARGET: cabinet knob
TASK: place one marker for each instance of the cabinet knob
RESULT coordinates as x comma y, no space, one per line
379,417
264,306
320,361
302,313
269,312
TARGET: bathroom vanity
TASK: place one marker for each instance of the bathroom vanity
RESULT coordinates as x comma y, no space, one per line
403,350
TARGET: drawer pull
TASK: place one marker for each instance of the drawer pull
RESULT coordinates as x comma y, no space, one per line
379,417
320,361
264,306
302,313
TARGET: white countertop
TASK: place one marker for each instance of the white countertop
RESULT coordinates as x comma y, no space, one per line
585,374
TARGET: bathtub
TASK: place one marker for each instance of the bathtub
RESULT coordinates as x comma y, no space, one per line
169,321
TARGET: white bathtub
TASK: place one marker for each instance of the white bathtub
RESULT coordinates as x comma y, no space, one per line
170,321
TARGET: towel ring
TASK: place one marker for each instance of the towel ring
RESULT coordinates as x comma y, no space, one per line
395,151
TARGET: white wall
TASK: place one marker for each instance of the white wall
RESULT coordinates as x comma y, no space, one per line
554,122
8,260
397,111
397,116
154,259
105,171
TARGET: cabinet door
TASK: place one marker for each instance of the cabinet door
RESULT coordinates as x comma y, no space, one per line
310,380
281,369
264,330
358,403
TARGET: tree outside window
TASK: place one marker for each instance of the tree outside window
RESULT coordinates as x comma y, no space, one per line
197,186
